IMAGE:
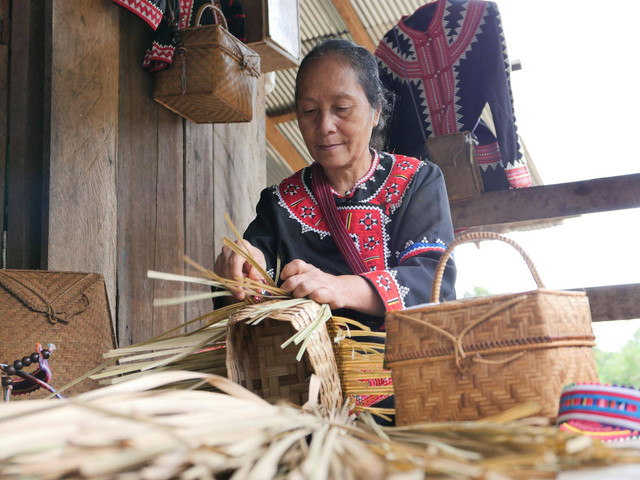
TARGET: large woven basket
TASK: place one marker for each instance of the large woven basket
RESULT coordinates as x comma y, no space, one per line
471,358
256,360
213,80
67,309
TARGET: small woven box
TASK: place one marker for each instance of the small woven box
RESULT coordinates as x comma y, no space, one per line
472,358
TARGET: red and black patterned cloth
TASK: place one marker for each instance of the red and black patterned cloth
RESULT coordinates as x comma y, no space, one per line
397,215
453,54
160,54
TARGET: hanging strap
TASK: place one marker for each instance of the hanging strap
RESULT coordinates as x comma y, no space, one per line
322,192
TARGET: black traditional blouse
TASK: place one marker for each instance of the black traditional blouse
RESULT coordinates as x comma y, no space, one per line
397,215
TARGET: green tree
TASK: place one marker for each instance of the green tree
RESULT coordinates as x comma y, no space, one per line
623,367
476,292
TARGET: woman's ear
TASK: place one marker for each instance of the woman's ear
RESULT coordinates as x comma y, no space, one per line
376,116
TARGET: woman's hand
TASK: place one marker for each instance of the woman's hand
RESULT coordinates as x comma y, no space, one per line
231,265
340,291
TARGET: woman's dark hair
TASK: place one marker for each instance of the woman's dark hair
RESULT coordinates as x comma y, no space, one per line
366,68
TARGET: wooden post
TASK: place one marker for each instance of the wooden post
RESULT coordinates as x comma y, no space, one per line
239,173
26,103
5,32
81,118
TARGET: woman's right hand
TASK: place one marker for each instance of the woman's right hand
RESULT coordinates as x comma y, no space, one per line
231,265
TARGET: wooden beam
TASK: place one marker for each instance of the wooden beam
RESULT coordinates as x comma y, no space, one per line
548,201
288,115
354,24
614,302
280,143
81,118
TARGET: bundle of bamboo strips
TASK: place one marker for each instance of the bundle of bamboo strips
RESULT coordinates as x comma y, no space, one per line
144,429
357,362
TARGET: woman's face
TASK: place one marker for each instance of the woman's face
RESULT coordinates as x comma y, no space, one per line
334,115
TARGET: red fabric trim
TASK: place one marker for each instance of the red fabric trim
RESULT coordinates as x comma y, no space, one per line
158,57
149,12
518,177
387,288
488,154
401,174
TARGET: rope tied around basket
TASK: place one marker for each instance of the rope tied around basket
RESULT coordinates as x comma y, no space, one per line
459,354
54,316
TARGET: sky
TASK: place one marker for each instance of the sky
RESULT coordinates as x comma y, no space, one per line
576,103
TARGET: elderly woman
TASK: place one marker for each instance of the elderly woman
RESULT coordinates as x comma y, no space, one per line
360,229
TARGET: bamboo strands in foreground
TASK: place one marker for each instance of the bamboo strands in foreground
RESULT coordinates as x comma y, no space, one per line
144,429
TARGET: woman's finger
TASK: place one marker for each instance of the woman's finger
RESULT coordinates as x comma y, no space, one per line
295,267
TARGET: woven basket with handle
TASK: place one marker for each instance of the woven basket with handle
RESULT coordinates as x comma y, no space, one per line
67,309
213,78
472,358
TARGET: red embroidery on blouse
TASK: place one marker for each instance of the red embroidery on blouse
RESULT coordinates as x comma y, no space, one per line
365,221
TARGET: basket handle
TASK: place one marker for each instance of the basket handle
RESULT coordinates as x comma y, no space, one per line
474,237
217,14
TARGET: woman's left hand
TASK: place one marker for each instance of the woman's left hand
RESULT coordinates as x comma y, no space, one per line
339,291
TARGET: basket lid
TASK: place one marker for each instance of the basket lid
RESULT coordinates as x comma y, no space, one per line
59,295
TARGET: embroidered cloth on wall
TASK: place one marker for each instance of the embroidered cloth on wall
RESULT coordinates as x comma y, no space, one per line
454,55
160,54
397,216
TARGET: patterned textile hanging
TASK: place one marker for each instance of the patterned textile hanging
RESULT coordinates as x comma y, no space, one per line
454,56
160,54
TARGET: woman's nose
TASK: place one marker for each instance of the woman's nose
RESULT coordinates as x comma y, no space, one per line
326,123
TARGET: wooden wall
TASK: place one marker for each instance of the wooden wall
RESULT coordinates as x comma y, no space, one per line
132,186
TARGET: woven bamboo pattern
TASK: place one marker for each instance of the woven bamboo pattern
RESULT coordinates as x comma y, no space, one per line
256,360
472,358
67,309
219,76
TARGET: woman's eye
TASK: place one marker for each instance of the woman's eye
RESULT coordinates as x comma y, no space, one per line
308,112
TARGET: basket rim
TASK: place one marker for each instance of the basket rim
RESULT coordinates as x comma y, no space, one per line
460,302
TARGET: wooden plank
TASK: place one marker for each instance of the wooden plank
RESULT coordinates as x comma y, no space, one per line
5,22
352,20
614,302
284,116
26,104
239,172
4,114
137,176
548,201
199,214
169,225
280,143
82,126
5,32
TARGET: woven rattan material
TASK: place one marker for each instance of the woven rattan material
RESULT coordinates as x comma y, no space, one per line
67,309
256,360
221,75
471,358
